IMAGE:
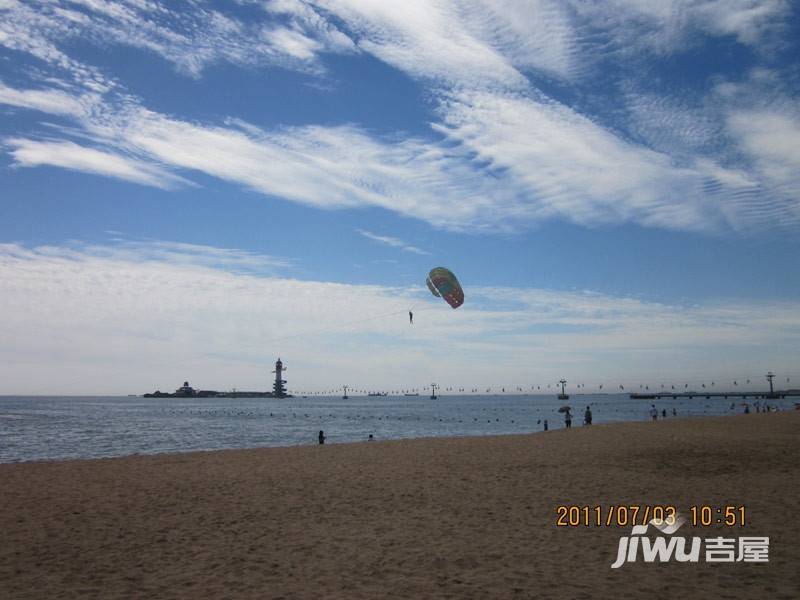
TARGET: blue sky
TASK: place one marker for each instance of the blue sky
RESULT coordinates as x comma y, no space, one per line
616,184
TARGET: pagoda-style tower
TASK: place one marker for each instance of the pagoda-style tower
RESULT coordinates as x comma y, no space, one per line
278,389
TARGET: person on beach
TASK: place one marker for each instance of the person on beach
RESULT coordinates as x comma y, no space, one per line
746,409
321,437
370,438
664,413
587,416
568,419
674,412
545,424
653,412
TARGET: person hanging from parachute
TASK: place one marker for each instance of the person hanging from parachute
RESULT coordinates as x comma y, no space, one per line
442,284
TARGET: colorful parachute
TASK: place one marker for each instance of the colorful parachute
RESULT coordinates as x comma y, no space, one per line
442,283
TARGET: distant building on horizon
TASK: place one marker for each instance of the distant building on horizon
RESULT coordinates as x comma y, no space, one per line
187,391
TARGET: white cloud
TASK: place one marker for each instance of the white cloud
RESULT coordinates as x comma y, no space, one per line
770,137
187,34
293,42
634,26
680,126
124,319
51,101
68,155
425,39
533,35
749,20
392,241
174,253
327,167
565,165
35,29
308,21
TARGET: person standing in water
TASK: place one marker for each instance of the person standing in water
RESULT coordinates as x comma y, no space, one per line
321,437
587,416
568,419
654,412
410,318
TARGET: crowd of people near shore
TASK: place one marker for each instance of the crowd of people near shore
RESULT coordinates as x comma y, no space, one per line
758,406
587,417
654,413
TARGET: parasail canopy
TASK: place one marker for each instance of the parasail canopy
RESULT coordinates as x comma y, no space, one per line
442,283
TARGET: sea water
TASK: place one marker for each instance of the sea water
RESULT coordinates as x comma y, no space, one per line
55,428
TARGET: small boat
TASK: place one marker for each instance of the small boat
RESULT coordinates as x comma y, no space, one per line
377,394
411,394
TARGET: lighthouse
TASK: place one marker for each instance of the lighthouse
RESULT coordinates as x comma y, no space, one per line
278,390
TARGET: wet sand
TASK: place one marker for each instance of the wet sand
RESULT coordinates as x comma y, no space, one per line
435,518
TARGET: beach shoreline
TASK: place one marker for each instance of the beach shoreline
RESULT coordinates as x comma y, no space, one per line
457,517
555,425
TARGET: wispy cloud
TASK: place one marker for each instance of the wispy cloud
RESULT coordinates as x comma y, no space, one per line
478,177
329,167
769,137
187,34
147,313
181,254
630,27
425,39
571,167
68,155
392,241
52,101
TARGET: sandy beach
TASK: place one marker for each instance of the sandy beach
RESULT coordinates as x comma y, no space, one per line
434,518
